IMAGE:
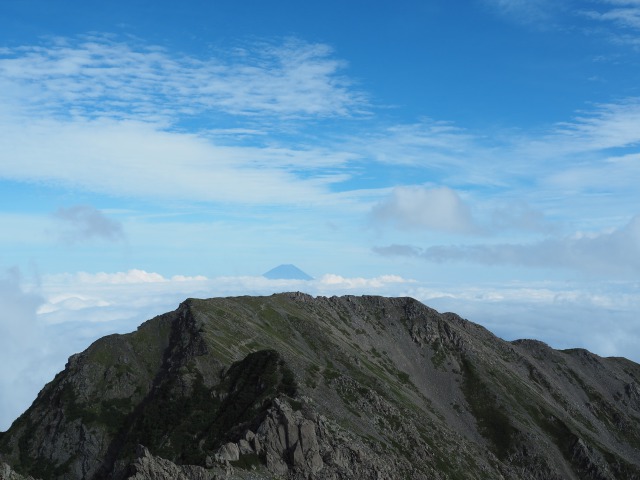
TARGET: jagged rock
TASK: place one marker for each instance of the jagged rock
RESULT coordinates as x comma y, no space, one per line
149,467
289,441
229,452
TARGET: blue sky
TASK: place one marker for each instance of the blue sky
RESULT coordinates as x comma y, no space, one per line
482,156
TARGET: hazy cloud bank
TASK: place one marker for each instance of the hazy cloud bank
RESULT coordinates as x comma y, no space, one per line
23,347
599,317
611,254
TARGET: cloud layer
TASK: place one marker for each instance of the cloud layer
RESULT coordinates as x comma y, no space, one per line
610,254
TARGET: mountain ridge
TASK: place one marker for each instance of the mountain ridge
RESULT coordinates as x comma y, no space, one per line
295,386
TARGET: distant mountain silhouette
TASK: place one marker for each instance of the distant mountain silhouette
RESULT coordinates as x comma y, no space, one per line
286,272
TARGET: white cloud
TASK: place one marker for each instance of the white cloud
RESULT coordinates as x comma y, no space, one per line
625,13
136,294
613,17
101,115
456,156
337,283
612,125
70,302
563,314
428,143
127,102
122,158
414,207
538,12
612,174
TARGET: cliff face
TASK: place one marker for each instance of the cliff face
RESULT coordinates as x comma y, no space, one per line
291,386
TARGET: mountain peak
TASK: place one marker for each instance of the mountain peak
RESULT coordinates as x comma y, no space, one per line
294,386
286,272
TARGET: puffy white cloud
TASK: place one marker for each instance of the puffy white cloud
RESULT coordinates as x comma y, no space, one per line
337,283
442,209
415,207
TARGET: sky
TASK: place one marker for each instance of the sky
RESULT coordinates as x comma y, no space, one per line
481,156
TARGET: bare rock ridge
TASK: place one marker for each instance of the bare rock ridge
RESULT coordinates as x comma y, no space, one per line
295,387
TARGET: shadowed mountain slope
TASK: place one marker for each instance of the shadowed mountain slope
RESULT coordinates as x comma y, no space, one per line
291,386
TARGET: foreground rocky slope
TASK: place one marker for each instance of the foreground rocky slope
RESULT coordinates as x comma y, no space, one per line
291,386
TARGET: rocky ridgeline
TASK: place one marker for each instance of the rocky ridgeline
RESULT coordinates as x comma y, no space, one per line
295,387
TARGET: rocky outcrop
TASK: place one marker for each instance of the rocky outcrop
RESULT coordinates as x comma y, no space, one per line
296,387
287,441
6,473
149,467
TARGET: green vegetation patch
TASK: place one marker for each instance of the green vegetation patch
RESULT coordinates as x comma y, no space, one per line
493,421
439,354
249,461
107,413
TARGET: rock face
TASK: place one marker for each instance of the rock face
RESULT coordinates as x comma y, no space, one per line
6,473
295,387
148,467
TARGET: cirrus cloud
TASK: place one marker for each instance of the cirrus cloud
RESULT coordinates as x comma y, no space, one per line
102,76
100,114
